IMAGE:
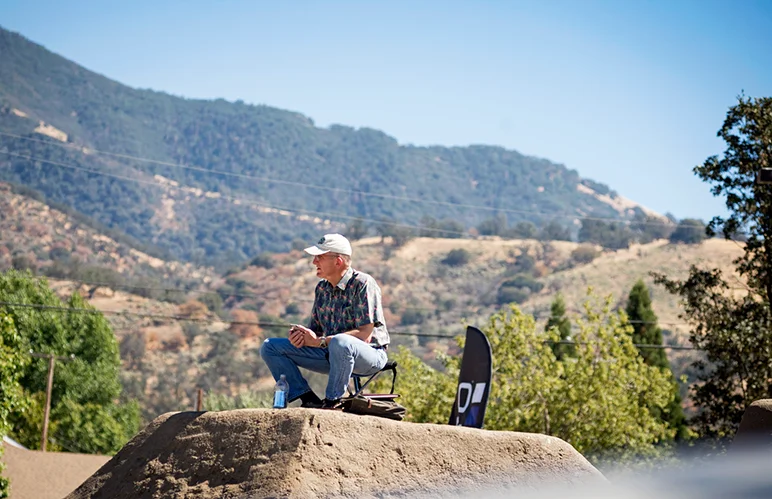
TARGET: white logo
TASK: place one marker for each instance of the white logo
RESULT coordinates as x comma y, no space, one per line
468,394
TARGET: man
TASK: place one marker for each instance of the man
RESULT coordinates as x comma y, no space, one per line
347,333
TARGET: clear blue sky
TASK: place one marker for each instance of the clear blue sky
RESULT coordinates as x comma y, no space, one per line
629,93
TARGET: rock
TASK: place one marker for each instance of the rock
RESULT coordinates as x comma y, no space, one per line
756,426
301,453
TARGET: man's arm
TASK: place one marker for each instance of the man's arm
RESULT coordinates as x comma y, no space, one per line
301,336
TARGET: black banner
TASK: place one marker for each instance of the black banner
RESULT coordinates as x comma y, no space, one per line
474,381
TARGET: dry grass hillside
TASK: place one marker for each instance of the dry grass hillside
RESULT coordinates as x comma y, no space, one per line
437,297
39,235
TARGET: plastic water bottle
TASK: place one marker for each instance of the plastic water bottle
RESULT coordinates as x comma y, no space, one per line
280,392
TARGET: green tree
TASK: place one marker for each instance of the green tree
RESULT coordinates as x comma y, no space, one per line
734,331
494,226
688,231
357,229
554,231
598,402
86,389
457,258
559,321
612,235
524,230
646,331
13,361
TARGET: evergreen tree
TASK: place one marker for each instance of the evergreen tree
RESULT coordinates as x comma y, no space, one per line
646,331
559,321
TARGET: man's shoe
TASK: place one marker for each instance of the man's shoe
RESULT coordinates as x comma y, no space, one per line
331,404
310,400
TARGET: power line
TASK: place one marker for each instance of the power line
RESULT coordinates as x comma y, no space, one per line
82,150
301,300
96,311
199,291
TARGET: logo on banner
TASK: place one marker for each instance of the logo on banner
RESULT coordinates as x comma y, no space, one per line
469,394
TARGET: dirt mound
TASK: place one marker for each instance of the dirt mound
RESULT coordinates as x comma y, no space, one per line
47,475
258,453
756,426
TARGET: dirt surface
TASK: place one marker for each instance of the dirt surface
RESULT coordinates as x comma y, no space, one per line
299,453
47,475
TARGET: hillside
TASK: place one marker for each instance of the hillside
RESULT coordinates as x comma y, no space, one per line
427,295
425,299
218,182
61,243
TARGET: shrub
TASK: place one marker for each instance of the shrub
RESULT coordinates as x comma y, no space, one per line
264,260
584,253
457,258
509,294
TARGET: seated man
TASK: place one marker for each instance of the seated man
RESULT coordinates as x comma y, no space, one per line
346,334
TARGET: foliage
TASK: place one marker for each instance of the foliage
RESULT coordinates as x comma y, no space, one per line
736,335
524,230
612,235
688,231
734,331
294,159
13,361
86,386
559,321
426,393
510,294
264,260
584,253
495,226
646,331
457,257
224,402
649,228
412,316
446,228
598,401
555,231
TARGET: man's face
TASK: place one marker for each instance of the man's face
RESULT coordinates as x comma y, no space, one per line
327,265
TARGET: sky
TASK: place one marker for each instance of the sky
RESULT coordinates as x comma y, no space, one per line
627,93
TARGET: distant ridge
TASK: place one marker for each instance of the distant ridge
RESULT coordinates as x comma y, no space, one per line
288,178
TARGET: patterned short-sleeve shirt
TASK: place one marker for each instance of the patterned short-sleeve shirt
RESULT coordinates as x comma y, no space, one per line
354,302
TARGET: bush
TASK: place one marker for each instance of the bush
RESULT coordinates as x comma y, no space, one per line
264,260
689,231
412,316
523,281
457,258
585,253
509,294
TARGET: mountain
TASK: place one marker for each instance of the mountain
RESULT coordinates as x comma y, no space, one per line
217,182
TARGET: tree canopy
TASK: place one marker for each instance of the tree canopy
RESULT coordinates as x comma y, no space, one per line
734,328
598,401
13,361
85,415
646,331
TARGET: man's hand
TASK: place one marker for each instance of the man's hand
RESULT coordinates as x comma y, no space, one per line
301,336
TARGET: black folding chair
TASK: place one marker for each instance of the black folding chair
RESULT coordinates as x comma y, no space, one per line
359,386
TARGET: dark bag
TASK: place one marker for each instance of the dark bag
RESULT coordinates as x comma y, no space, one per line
381,407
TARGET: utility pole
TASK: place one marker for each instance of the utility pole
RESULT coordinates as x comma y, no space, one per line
51,363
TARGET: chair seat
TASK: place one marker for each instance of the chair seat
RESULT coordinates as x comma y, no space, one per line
391,365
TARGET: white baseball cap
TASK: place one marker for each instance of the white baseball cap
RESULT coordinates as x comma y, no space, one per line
334,243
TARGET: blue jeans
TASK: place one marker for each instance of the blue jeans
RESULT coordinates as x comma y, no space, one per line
347,355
